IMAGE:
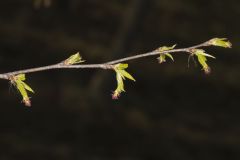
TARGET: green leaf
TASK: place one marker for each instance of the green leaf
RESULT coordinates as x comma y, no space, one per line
121,66
201,55
22,87
202,52
74,59
170,56
202,60
162,57
20,77
120,86
23,92
126,74
27,87
121,75
166,48
221,42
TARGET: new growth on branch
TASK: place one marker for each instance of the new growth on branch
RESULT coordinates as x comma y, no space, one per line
17,78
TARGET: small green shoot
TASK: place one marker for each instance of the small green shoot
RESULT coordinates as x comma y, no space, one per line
121,74
202,59
22,87
74,59
162,57
220,42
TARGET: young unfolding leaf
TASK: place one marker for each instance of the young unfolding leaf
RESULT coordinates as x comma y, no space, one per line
121,75
74,59
202,52
165,48
201,55
22,87
221,42
162,57
121,66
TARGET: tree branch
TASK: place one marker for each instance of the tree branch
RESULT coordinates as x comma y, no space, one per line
17,78
107,65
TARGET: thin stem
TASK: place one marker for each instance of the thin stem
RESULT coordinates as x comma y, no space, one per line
107,65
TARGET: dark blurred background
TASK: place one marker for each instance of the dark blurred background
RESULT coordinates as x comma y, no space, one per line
171,112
